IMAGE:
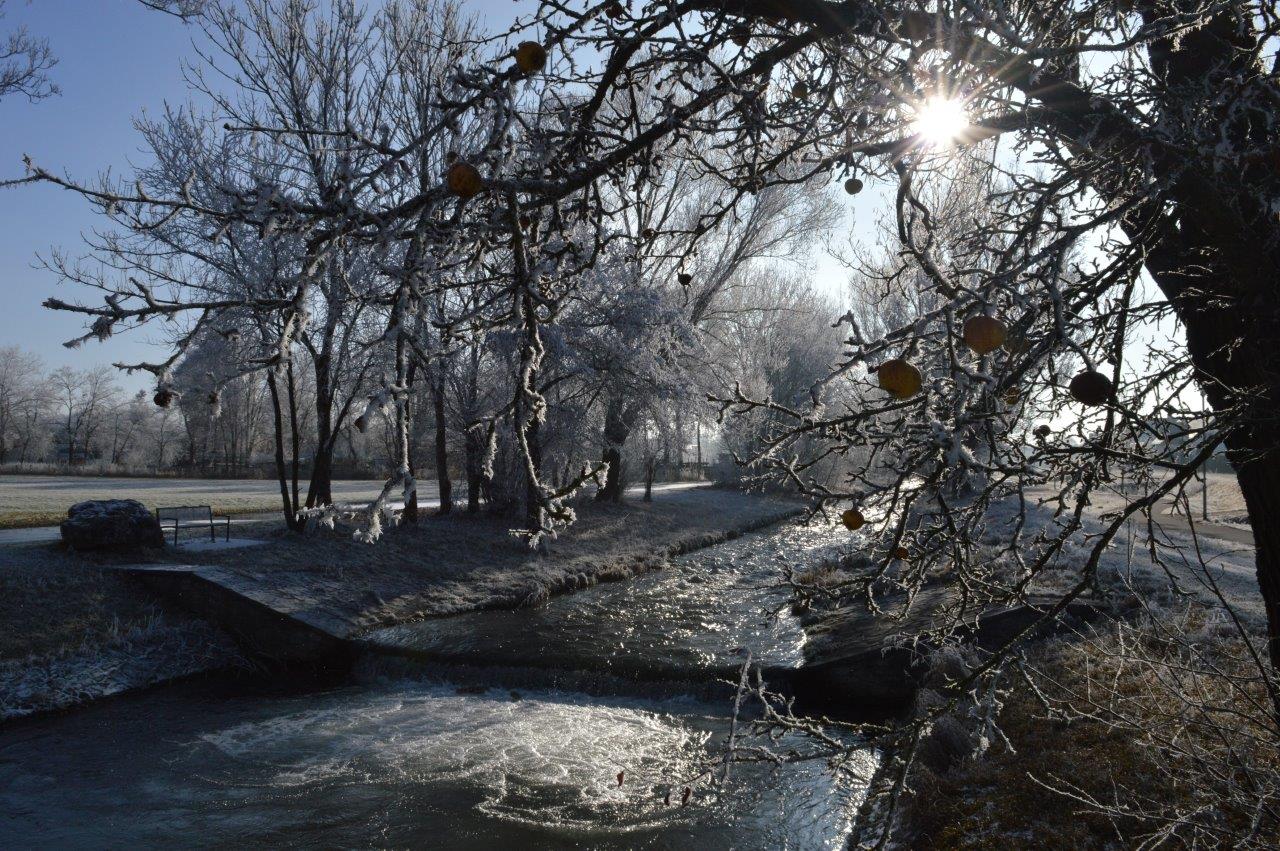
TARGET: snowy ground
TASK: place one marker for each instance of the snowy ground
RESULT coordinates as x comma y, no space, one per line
43,500
446,565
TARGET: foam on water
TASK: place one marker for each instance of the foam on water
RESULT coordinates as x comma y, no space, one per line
392,764
407,763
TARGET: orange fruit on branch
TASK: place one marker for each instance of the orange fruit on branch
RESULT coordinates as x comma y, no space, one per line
900,378
984,334
852,519
1091,388
799,90
463,179
531,57
853,186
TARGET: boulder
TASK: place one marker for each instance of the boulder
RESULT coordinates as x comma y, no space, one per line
111,524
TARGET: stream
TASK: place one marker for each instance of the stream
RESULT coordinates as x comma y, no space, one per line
403,757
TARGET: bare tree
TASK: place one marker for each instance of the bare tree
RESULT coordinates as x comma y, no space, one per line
25,62
23,398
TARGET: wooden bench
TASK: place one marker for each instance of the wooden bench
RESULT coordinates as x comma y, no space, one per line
188,516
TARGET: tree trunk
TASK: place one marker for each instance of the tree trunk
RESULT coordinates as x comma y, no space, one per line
618,421
320,489
442,446
1260,483
411,504
290,513
475,462
533,499
294,435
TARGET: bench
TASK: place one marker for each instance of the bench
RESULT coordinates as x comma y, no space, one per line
188,516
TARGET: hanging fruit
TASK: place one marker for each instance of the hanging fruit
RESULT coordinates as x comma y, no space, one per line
1010,396
899,378
853,186
900,553
531,57
685,279
984,334
740,36
799,90
647,233
614,10
1016,343
463,179
1091,388
163,397
1042,431
852,519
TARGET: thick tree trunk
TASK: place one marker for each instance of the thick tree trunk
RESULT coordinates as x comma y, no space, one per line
290,513
320,490
618,422
442,448
1260,483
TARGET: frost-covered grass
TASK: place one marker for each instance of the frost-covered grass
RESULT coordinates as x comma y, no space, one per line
447,565
1164,708
71,631
1052,783
44,500
130,657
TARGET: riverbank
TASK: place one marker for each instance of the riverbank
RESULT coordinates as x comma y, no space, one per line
460,563
74,631
78,628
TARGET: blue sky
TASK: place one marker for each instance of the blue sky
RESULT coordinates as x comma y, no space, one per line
117,60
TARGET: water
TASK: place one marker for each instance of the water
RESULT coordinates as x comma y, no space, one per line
410,763
691,620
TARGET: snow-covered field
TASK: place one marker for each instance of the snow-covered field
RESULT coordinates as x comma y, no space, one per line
43,500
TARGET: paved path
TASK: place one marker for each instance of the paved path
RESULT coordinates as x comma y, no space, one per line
1179,523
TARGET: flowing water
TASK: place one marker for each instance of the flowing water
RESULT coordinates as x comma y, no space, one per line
693,619
396,762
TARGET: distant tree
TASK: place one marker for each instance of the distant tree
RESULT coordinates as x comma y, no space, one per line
83,400
24,400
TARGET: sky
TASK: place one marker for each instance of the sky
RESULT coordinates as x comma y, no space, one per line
116,61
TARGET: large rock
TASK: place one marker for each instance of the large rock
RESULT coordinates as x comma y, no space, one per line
111,524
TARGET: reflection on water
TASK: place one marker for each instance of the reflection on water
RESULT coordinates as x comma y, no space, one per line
695,615
400,765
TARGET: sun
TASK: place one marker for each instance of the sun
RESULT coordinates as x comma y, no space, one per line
939,121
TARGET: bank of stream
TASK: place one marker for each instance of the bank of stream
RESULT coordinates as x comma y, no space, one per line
587,721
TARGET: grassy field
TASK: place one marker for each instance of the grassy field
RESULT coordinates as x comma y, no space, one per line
43,500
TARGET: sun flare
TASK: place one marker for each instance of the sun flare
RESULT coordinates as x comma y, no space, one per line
939,121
